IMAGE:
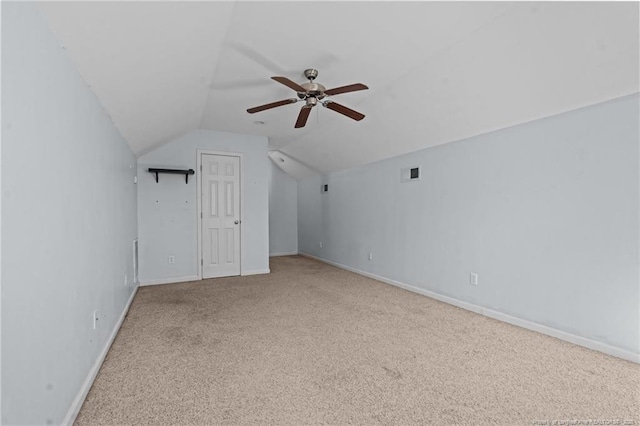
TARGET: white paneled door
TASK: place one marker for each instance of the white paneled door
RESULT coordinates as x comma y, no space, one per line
220,195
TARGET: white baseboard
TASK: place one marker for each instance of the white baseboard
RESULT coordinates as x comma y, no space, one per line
284,253
170,280
256,272
530,325
195,278
88,382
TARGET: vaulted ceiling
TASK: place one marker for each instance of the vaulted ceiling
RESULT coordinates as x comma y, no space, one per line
437,71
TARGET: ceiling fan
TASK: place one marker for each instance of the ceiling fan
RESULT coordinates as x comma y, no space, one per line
313,93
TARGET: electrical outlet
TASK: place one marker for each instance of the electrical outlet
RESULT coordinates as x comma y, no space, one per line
172,259
473,279
320,244
370,256
95,319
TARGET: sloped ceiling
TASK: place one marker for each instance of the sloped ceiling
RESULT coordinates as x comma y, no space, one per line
437,71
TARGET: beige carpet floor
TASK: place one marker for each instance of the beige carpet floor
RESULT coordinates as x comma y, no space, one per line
313,344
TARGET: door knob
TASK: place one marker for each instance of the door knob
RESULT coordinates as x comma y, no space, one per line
236,222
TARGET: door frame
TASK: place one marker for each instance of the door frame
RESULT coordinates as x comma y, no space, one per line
199,153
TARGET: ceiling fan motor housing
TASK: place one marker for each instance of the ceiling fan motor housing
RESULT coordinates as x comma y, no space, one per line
312,90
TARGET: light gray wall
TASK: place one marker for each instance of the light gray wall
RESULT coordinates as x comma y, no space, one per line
68,221
545,212
167,211
283,212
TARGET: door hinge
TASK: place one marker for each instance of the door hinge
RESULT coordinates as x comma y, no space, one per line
200,215
200,167
201,262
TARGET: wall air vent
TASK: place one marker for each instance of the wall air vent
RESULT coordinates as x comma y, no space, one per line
410,174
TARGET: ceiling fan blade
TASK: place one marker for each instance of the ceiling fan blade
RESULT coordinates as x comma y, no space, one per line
272,105
344,110
290,84
302,117
345,89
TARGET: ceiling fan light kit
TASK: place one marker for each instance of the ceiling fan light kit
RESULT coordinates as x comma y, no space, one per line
313,93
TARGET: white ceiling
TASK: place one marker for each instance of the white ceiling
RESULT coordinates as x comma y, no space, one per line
437,71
